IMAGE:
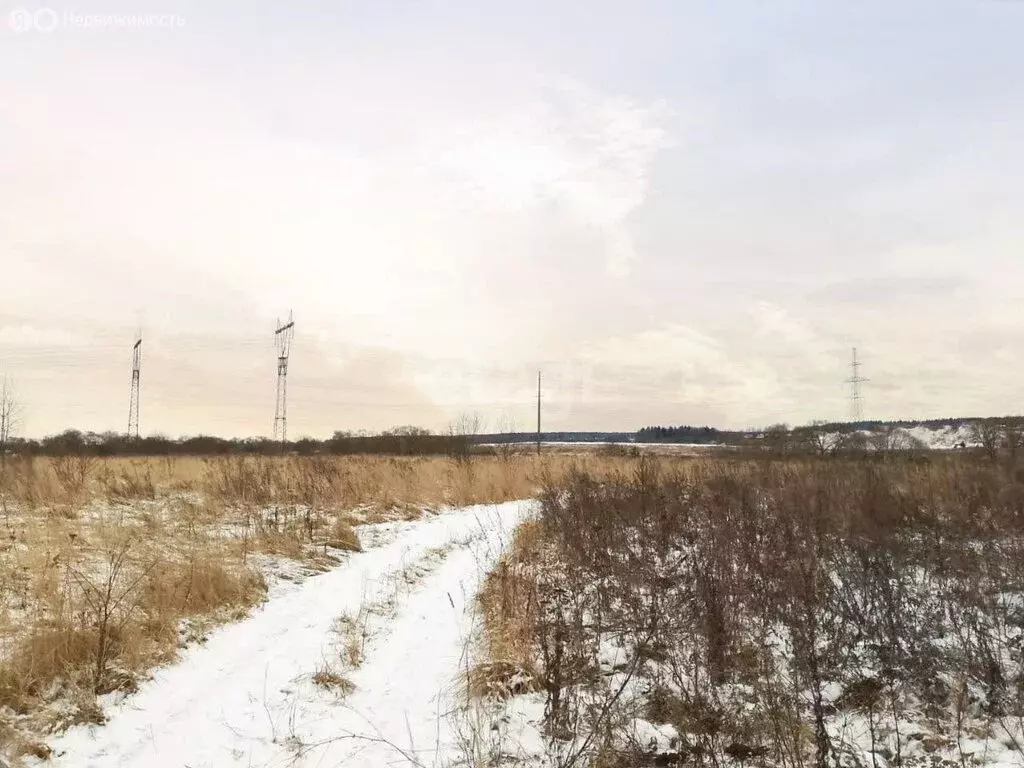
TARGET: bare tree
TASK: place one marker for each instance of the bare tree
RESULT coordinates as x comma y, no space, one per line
466,424
461,431
1013,441
825,442
9,412
777,438
892,439
9,422
506,428
988,436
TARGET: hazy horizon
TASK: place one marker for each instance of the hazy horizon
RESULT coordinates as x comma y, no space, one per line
683,213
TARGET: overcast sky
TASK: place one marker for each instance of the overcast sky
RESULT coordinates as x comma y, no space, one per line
682,212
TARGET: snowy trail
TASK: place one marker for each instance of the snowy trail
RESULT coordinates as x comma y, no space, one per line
247,697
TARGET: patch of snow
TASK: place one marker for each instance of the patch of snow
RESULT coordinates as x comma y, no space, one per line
944,438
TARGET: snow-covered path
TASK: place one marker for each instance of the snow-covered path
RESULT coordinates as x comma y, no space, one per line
247,697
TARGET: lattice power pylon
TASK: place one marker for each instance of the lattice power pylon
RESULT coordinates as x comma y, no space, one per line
283,343
856,398
133,400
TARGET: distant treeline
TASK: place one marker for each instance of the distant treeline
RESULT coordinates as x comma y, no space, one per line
401,441
933,424
710,435
415,441
504,438
407,441
683,434
702,435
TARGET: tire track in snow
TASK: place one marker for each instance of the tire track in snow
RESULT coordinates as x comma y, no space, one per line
246,696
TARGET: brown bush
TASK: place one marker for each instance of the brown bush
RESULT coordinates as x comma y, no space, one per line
343,536
694,569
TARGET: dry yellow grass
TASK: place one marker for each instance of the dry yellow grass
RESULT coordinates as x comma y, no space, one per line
64,484
343,536
330,680
509,609
352,636
107,565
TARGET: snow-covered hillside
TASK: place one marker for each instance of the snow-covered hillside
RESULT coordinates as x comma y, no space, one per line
944,438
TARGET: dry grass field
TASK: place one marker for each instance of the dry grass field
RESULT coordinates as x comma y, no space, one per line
659,610
108,566
766,613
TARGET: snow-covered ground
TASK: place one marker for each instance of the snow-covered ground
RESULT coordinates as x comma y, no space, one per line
944,438
918,437
247,696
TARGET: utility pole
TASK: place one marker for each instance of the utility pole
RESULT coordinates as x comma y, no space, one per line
538,413
133,400
283,343
855,380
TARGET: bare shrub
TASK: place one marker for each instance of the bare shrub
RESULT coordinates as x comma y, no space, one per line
129,484
102,612
330,680
112,597
759,606
73,472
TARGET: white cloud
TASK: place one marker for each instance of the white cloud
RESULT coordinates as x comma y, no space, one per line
587,154
30,336
678,365
774,321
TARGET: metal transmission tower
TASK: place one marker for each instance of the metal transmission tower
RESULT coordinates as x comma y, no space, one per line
538,413
855,380
283,343
133,400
